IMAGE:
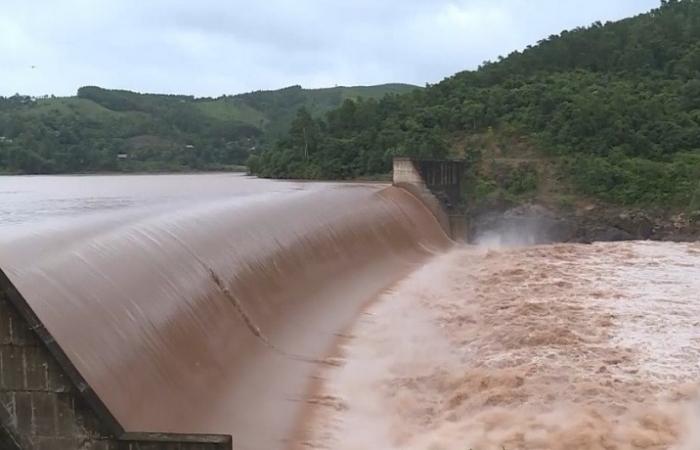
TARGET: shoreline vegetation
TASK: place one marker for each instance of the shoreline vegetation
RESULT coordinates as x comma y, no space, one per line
101,130
176,171
602,119
241,170
607,114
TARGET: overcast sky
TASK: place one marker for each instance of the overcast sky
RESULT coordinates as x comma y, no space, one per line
215,47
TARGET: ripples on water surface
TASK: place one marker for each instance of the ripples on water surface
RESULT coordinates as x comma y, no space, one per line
33,199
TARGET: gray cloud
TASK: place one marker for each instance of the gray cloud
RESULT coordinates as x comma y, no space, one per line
214,47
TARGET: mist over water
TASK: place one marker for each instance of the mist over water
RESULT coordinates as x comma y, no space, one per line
525,226
514,237
539,347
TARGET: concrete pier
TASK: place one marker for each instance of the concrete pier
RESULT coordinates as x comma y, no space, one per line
437,183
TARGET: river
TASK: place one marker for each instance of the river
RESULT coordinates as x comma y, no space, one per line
33,199
546,348
483,347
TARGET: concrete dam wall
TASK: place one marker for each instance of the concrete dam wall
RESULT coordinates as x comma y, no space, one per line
437,184
180,328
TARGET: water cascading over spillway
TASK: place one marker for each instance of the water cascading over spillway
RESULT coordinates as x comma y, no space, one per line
213,318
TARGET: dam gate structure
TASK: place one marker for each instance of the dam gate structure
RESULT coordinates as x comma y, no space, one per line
437,184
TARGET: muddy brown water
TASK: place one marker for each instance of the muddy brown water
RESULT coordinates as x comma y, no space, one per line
205,303
559,347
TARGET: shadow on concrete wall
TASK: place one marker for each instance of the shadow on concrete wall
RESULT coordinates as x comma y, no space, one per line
437,183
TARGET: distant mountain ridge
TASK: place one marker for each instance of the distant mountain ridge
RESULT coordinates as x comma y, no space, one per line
162,132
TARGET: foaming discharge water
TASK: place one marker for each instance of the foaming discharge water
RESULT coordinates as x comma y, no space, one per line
511,235
500,239
168,312
546,348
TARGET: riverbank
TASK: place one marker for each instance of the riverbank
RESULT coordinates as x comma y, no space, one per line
173,171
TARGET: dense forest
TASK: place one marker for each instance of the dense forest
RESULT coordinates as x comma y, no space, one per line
614,108
102,130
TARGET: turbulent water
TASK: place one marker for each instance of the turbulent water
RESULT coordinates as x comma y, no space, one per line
552,347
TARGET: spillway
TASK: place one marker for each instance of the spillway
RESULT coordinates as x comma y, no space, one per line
211,315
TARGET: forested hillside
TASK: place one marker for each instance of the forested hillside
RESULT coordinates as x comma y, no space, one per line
108,130
611,111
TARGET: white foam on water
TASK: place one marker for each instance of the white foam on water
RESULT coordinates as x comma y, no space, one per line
658,309
551,347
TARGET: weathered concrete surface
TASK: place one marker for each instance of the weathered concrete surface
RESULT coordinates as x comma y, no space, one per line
404,171
42,409
444,179
436,183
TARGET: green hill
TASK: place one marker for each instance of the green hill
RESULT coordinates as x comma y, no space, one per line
88,132
608,112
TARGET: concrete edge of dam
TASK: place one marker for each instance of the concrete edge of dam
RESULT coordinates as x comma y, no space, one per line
46,404
437,184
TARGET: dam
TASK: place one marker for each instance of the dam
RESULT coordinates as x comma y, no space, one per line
216,312
188,309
